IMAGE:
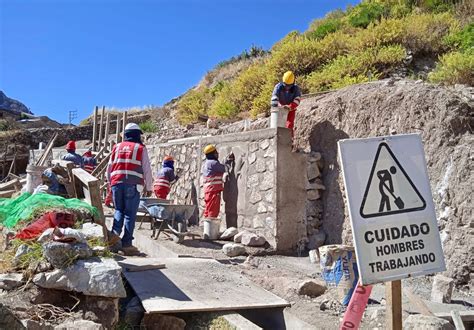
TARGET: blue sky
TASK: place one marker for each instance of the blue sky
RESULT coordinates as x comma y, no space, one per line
61,55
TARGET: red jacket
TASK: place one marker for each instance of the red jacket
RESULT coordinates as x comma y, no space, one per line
126,163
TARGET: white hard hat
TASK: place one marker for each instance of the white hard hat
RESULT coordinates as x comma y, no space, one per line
132,126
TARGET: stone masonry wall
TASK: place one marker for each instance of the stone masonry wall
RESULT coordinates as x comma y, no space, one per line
265,192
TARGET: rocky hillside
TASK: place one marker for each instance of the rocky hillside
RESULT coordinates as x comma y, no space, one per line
12,105
445,119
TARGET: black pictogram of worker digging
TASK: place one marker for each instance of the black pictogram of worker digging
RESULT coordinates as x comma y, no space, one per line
389,188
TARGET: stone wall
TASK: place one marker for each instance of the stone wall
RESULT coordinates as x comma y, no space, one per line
266,179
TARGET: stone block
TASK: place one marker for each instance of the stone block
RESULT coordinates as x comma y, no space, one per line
267,183
313,171
264,144
260,166
252,180
313,195
317,184
258,222
229,233
418,321
238,236
92,230
269,153
269,196
442,289
312,288
11,281
271,165
255,197
233,249
60,254
253,146
252,158
251,239
262,208
94,277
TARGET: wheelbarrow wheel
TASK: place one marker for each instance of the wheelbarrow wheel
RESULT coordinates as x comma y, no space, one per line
179,238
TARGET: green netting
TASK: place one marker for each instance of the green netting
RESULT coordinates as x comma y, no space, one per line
27,206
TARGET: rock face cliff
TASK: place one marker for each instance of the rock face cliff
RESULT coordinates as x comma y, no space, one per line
12,105
443,117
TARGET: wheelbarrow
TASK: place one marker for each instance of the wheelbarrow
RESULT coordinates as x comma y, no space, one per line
166,216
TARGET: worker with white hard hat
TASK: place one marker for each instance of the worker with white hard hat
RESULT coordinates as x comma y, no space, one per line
129,174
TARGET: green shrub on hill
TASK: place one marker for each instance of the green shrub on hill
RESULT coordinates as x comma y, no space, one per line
366,42
454,68
148,127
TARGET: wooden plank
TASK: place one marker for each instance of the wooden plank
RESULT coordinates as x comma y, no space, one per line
466,316
193,285
118,129
101,166
47,150
68,166
124,123
94,128
142,268
106,133
101,128
7,193
393,295
9,185
418,303
457,320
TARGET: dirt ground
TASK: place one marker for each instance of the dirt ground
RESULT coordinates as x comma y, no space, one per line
282,275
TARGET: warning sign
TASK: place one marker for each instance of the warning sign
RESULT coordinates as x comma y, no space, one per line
391,208
389,188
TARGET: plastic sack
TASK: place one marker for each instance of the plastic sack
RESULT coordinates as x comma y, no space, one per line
339,270
27,206
48,220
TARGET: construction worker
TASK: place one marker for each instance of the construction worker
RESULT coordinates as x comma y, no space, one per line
165,178
287,94
213,172
89,161
71,155
129,174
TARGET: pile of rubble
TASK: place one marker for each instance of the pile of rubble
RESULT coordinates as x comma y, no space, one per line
59,264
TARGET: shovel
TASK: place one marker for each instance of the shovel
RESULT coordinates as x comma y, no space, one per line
398,200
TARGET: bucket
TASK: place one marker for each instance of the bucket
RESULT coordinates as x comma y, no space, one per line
278,117
33,177
211,228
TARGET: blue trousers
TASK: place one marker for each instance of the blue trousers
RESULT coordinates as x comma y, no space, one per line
126,200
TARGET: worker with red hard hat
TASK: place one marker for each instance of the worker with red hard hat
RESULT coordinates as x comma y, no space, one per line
165,178
71,155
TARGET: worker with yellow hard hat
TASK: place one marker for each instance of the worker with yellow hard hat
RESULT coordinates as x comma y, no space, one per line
287,94
213,173
165,178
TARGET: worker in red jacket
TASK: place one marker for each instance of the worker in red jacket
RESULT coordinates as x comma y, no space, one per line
165,178
89,161
287,94
213,173
129,174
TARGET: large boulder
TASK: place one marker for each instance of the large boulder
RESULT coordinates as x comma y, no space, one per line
238,236
61,254
442,289
233,250
424,322
92,230
93,277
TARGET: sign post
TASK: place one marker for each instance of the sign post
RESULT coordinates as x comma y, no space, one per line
392,213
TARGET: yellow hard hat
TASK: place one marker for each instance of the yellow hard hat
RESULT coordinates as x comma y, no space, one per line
289,78
210,148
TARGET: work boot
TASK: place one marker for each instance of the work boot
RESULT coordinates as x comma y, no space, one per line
130,250
113,238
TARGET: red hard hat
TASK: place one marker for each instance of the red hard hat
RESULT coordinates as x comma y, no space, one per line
71,145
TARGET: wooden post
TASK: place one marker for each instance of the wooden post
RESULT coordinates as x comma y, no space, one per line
94,129
106,133
393,294
124,123
118,129
101,128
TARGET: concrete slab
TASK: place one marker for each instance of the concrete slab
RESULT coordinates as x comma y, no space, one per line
192,285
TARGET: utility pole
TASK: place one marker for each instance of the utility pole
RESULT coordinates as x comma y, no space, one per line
72,116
